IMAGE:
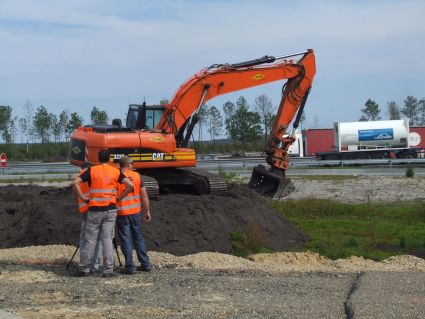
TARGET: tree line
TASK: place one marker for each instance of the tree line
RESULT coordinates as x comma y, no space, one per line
241,122
42,126
413,109
238,121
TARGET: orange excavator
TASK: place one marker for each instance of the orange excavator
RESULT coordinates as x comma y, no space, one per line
156,137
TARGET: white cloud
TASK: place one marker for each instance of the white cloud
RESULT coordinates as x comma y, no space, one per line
88,51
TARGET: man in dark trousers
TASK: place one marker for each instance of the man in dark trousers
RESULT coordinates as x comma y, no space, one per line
103,181
129,219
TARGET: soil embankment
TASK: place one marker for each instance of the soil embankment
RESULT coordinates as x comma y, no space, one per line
182,224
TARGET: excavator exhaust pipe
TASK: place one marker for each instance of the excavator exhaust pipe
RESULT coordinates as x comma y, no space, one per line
269,183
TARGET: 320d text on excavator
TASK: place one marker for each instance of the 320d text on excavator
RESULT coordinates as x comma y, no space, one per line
156,137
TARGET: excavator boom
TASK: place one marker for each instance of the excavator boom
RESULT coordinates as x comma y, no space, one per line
220,79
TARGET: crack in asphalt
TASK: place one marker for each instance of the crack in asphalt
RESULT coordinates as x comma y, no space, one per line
348,305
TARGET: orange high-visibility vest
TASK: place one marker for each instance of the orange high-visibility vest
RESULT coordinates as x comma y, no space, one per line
104,184
131,204
82,206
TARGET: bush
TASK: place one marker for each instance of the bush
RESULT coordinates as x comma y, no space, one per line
352,242
410,172
250,241
227,176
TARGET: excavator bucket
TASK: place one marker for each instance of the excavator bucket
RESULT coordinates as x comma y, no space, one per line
270,184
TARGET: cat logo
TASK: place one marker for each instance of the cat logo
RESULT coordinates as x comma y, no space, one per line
76,150
157,156
157,139
258,77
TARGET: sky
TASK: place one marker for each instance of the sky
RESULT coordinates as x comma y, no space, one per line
78,54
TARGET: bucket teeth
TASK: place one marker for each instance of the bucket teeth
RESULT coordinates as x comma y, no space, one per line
285,188
270,184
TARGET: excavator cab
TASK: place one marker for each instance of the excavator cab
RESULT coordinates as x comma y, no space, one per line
143,117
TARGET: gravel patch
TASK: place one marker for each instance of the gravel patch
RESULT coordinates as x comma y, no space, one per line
361,189
274,263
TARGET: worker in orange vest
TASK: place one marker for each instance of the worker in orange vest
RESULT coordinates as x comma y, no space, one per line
129,220
103,181
83,208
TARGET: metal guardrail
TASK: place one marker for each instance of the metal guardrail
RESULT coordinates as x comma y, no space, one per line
39,168
215,164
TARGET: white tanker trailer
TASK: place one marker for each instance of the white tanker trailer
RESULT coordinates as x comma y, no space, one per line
371,139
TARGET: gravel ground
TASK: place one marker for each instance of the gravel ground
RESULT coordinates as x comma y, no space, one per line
361,189
35,283
370,298
51,293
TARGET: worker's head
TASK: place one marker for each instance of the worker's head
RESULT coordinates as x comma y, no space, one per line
126,161
104,155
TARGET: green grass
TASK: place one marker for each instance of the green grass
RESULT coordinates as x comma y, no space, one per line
374,231
228,176
248,241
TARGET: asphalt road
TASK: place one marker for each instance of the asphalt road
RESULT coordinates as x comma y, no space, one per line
172,293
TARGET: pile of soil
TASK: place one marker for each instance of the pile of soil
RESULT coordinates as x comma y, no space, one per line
182,224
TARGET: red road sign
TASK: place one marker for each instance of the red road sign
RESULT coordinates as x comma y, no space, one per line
3,159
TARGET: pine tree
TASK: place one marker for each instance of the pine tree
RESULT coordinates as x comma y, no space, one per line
371,111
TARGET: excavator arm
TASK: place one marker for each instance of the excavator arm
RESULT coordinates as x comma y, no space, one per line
293,100
220,79
273,182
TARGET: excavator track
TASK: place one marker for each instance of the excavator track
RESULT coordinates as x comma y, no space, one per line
183,180
217,185
152,187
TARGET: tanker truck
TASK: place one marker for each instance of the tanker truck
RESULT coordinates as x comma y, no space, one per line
371,140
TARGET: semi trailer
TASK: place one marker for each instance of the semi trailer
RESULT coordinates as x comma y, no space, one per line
371,140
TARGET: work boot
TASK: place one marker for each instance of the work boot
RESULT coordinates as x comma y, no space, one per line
95,271
81,274
126,272
108,275
145,268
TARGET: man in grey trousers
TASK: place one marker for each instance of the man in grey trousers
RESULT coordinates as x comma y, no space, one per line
103,182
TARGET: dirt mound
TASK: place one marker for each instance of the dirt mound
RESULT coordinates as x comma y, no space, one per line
182,224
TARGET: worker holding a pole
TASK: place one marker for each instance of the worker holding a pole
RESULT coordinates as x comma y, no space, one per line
83,208
103,181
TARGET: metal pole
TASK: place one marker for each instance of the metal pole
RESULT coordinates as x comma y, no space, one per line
72,258
116,249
